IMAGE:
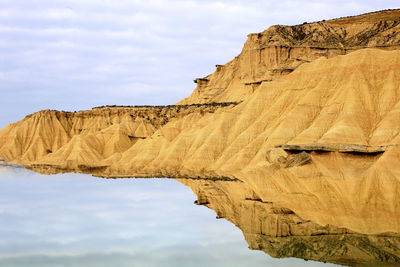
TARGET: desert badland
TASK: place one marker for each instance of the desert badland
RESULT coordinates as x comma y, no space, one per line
301,128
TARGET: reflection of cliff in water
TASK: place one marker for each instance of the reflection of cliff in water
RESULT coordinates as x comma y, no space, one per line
279,232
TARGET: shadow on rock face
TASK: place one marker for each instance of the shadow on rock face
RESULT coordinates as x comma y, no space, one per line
281,233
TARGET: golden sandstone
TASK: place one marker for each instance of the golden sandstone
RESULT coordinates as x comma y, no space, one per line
302,127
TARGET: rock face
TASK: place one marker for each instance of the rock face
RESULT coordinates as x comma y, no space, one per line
278,231
314,127
279,50
87,137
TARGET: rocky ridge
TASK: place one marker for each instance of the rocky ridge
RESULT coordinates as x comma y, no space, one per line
312,129
280,49
278,231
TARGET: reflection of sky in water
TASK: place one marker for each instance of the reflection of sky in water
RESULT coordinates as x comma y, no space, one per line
78,220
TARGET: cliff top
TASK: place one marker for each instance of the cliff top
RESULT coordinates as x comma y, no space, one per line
371,17
367,30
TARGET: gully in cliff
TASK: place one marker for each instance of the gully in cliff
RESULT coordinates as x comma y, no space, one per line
295,140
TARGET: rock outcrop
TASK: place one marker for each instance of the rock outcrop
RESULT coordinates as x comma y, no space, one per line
354,107
88,137
313,127
279,50
278,231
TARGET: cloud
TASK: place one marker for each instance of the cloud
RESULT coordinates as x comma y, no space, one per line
71,54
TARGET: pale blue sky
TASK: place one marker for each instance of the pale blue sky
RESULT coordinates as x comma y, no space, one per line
73,54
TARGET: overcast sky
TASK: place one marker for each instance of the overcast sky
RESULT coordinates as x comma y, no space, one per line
76,54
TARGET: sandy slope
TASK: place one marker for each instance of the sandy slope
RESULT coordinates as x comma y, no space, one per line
321,140
281,233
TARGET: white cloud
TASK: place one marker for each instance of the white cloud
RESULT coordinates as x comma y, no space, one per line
61,13
80,47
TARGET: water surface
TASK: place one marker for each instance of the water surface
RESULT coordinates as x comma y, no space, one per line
79,220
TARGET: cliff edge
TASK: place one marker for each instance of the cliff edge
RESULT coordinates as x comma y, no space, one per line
279,50
306,116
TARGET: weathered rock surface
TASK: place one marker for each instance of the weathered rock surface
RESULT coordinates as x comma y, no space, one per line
321,141
279,50
355,106
280,232
87,137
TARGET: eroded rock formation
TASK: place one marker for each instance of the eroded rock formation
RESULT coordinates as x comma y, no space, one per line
314,126
88,137
278,231
279,50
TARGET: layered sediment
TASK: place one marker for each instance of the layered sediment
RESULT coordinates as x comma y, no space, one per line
306,117
278,231
87,137
280,49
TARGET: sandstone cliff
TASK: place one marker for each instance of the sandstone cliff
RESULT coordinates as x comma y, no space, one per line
313,128
279,50
278,231
87,137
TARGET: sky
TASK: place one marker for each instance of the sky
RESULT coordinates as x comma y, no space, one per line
74,55
78,220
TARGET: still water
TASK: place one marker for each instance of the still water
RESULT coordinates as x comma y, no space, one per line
78,220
